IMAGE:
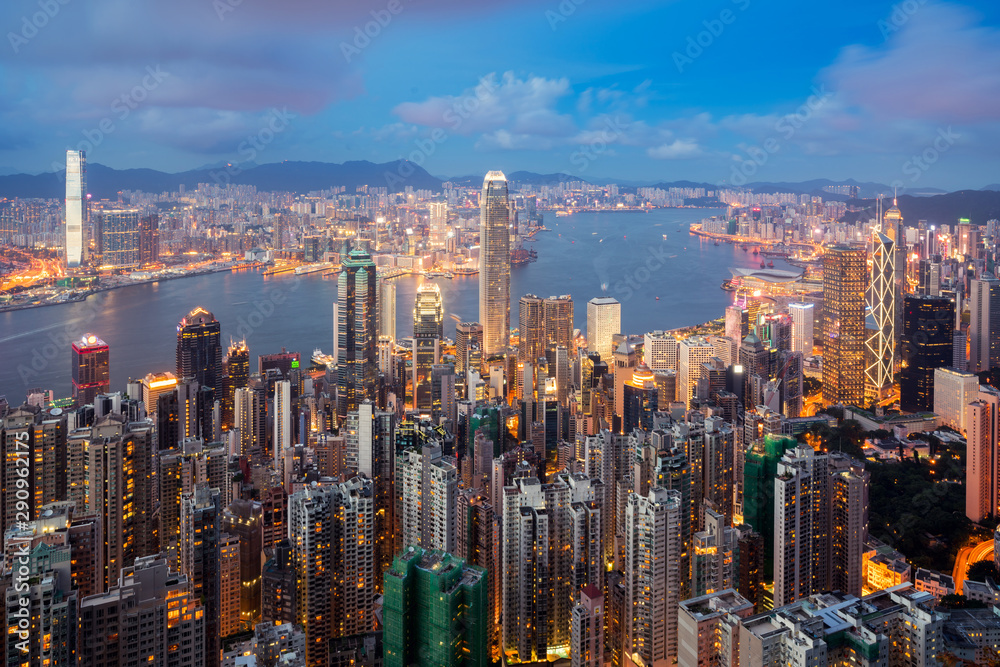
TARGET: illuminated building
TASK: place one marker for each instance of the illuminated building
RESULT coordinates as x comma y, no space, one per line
881,345
982,491
331,530
737,322
242,519
588,629
558,319
199,349
494,264
802,327
928,322
759,468
691,354
435,611
715,554
531,329
356,332
149,239
984,325
199,550
479,544
755,359
843,325
604,320
77,206
953,391
659,351
468,346
708,628
91,369
428,490
882,567
236,369
428,330
640,400
155,385
387,309
653,577
120,236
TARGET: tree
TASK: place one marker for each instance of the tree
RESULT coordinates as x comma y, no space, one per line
982,569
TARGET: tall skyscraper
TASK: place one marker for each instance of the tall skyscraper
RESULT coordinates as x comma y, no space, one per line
237,373
558,317
691,354
844,325
604,320
387,309
91,369
198,547
468,346
881,344
892,227
428,330
982,491
494,264
927,345
984,325
149,239
120,239
199,349
76,206
802,327
531,329
356,331
435,611
282,439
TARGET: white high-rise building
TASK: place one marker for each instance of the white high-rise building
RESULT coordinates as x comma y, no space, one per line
76,206
691,354
604,320
494,264
953,391
659,351
982,422
386,309
652,575
881,344
984,325
428,491
802,327
282,420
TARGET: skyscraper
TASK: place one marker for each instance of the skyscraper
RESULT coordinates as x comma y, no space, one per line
199,348
428,330
558,317
844,325
691,354
494,264
927,340
427,487
282,439
76,206
387,309
468,346
802,327
531,329
881,345
120,239
91,369
984,325
604,320
356,331
149,239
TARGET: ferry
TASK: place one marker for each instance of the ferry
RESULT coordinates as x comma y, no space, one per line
323,360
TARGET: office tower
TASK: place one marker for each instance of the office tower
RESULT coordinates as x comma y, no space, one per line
245,421
759,468
494,264
282,439
843,325
755,359
719,460
659,351
199,551
552,548
881,345
428,331
148,617
640,400
356,332
653,577
77,206
802,327
155,385
479,544
705,628
624,360
531,329
199,349
468,346
982,492
149,239
790,374
118,478
387,309
428,490
558,319
331,529
438,224
820,524
120,239
953,391
236,370
927,338
984,325
242,519
587,644
604,320
691,354
737,322
435,611
91,369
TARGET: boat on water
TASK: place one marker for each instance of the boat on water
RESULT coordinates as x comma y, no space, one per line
744,248
770,265
320,359
465,272
716,243
728,286
664,237
762,265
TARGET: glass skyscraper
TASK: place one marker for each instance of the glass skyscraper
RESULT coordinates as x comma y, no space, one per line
494,264
76,205
120,239
844,326
199,348
356,331
428,330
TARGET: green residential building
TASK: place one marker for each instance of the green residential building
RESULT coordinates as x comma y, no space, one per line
434,611
759,470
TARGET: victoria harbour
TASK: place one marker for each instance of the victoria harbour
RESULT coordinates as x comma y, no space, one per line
631,256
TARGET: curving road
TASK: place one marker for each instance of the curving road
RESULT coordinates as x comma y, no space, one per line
966,557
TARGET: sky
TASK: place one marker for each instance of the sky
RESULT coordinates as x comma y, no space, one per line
719,91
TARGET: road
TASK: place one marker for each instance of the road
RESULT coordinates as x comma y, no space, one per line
966,557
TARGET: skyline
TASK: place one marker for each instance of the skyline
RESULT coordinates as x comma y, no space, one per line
587,89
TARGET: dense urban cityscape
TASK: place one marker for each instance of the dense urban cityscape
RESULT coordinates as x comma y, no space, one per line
357,357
